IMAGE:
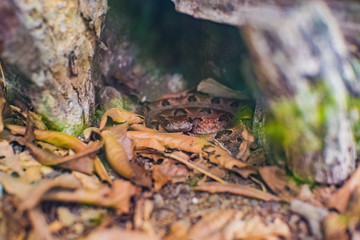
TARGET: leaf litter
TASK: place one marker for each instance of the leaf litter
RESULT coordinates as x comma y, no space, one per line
139,183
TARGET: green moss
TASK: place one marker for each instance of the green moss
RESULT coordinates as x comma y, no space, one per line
354,109
300,123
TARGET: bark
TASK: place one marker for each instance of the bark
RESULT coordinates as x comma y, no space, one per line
301,69
48,48
304,74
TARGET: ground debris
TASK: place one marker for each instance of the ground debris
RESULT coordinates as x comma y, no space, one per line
158,185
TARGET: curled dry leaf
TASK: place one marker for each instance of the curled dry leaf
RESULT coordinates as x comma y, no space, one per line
120,116
182,142
118,233
55,138
118,196
214,187
116,155
64,141
244,148
277,180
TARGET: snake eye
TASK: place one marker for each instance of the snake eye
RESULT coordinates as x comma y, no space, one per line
165,102
215,100
206,110
180,111
192,99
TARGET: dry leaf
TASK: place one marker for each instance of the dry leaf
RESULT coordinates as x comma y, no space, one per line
120,116
168,171
214,187
8,159
182,142
118,233
15,186
244,148
254,228
143,210
277,180
214,88
179,230
118,196
340,198
336,227
160,177
37,191
116,155
56,138
101,171
211,224
40,227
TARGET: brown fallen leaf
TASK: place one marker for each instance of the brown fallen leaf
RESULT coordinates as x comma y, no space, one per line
340,198
143,209
118,233
277,180
160,177
37,191
244,148
9,161
119,132
38,222
211,225
182,142
175,156
142,128
15,186
120,116
116,155
64,141
335,227
118,196
79,162
254,228
168,171
214,187
56,138
179,230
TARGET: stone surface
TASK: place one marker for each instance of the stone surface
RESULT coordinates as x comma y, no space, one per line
51,46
